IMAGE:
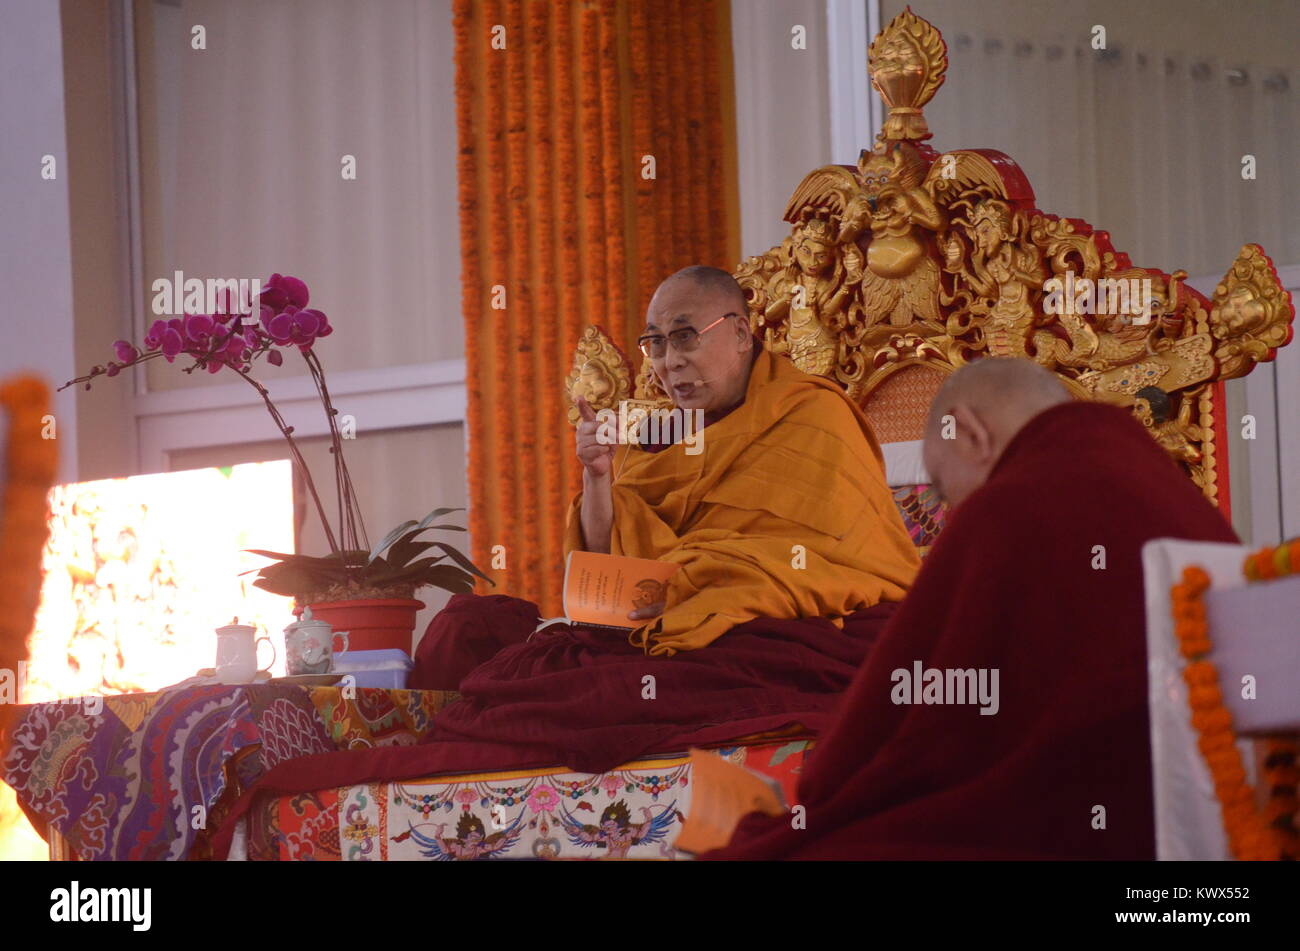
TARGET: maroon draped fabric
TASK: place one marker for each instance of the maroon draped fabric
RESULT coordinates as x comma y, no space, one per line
1014,584
570,697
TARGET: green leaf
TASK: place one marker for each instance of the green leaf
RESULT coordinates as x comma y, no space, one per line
288,578
327,563
447,577
391,537
437,513
406,549
226,471
461,560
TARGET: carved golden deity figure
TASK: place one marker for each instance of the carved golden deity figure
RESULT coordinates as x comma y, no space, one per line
1176,434
822,282
1000,269
916,258
901,284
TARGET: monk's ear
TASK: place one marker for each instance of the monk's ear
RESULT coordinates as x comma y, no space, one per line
974,437
744,336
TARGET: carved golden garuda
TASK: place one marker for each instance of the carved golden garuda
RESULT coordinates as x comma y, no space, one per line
915,260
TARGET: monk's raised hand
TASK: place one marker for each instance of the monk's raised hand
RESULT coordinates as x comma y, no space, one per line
596,455
647,612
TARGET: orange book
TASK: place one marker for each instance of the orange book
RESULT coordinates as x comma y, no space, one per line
722,794
602,590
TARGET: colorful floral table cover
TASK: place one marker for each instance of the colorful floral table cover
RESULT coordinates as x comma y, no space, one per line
149,775
634,812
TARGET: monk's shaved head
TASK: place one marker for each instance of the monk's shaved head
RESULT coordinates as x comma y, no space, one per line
707,281
710,372
1006,388
977,412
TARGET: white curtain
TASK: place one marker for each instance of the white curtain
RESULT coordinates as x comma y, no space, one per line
1139,139
1144,139
242,148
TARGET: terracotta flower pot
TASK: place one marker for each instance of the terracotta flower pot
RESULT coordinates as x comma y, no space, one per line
372,624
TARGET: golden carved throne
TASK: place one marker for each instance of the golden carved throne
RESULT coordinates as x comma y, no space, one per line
913,263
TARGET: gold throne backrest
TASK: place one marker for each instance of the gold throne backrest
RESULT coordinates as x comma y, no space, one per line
910,264
898,405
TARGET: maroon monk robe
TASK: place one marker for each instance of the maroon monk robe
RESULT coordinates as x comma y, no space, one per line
576,698
1010,585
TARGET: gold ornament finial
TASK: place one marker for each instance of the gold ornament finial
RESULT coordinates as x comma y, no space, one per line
1251,314
601,374
906,63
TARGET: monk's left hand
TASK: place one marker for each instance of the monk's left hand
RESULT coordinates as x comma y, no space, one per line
647,612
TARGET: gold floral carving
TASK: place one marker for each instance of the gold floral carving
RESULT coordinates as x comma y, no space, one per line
911,247
906,63
1251,313
601,374
915,257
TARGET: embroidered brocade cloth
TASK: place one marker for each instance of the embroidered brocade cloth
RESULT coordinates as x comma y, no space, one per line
135,778
633,812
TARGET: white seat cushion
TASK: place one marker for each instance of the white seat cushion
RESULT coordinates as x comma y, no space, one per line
903,465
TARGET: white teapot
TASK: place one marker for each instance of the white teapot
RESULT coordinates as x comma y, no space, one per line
309,645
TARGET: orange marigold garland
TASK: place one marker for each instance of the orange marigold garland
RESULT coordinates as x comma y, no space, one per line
472,288
1250,836
570,275
496,105
1282,752
30,464
522,437
549,361
643,144
1268,563
615,170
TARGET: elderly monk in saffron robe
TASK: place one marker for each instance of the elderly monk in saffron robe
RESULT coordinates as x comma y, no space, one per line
791,554
1015,584
792,558
784,514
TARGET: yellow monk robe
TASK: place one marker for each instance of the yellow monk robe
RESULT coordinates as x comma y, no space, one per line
784,513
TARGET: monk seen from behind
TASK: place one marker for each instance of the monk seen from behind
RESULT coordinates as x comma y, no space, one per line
1003,712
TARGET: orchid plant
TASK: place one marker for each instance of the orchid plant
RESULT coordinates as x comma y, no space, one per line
234,340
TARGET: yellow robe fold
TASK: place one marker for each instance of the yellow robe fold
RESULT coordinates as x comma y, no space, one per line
783,514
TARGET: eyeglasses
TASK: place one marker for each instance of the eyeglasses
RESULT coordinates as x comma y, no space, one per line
684,339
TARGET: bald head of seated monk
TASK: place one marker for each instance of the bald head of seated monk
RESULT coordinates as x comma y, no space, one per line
777,507
1002,713
976,414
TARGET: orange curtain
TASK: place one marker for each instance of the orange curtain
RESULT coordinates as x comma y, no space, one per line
31,459
560,106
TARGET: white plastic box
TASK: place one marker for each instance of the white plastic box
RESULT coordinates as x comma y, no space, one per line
380,668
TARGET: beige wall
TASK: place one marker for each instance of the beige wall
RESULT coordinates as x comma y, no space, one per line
96,211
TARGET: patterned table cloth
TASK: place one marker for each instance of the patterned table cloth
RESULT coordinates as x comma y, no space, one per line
149,775
635,812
